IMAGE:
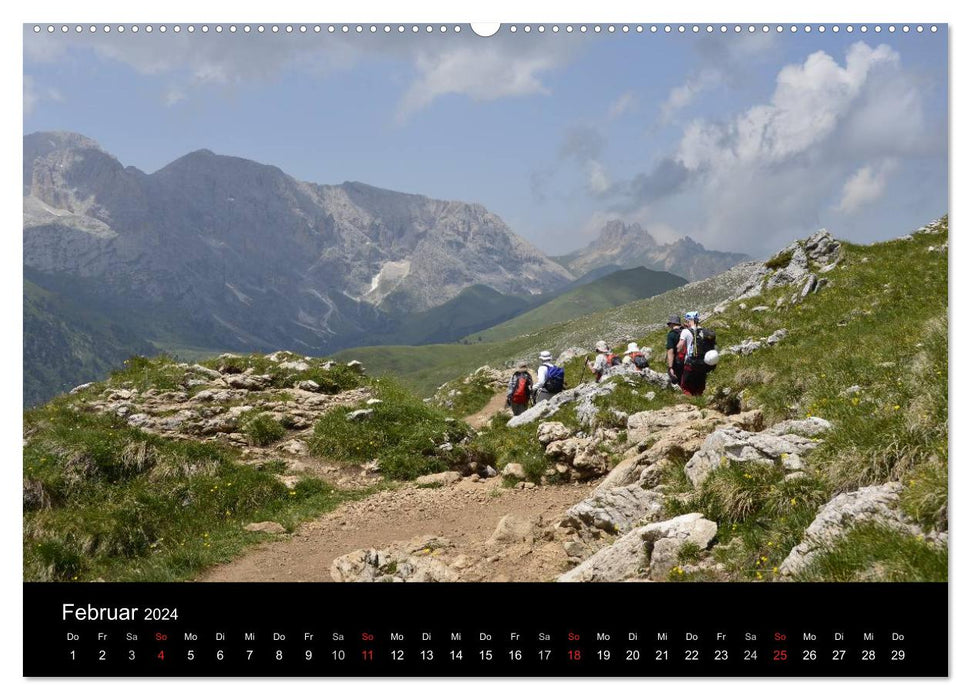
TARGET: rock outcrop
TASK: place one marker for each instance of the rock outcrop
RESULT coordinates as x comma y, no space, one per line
876,505
803,260
582,397
732,444
650,551
415,560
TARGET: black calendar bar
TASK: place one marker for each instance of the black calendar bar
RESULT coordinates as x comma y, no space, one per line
470,629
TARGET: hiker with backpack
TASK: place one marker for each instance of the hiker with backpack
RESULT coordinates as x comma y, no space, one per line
675,364
520,390
549,378
635,356
696,347
604,359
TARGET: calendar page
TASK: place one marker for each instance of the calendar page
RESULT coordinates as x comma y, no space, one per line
522,349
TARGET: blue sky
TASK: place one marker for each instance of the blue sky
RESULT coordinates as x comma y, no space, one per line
741,141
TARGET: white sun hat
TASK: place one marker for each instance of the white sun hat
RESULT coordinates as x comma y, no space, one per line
545,356
632,347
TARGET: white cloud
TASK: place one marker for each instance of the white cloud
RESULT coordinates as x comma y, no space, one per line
723,60
865,186
773,171
684,94
621,105
597,179
482,70
173,96
34,94
809,101
479,72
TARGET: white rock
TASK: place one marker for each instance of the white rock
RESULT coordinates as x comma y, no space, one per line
441,479
873,504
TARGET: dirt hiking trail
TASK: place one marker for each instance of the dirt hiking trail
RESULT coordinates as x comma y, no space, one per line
481,418
466,513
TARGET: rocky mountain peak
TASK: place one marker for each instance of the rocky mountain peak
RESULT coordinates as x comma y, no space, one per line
631,245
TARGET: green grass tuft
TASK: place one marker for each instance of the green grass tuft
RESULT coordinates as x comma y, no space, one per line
262,429
403,433
873,553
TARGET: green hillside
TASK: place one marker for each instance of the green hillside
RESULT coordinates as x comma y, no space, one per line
473,308
607,292
66,343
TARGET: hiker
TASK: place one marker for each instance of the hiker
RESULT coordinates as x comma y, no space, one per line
549,378
675,365
520,390
635,356
697,348
599,364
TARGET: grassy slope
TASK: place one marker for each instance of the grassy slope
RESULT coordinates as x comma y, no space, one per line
473,308
66,344
423,368
123,505
893,299
608,292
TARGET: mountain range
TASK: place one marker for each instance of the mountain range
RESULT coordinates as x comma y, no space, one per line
630,245
220,253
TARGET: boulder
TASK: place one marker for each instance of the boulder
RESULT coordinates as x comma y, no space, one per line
267,526
513,529
552,431
204,371
650,548
582,396
746,347
415,560
565,450
294,447
514,470
81,387
249,382
307,385
626,472
298,366
615,510
792,273
356,366
776,336
643,425
360,414
439,479
870,504
589,462
822,248
732,444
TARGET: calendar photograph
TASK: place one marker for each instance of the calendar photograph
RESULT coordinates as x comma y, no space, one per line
455,304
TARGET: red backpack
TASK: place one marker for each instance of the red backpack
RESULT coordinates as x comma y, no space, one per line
521,393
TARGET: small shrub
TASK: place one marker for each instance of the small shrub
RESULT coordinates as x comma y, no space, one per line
402,433
737,490
780,260
262,429
689,553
